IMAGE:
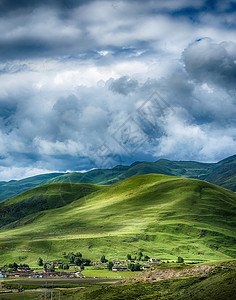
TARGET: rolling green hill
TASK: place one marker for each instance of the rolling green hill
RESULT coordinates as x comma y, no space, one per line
42,198
16,187
162,216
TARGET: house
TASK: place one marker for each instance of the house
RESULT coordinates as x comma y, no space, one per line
49,270
155,260
119,269
97,263
146,267
57,264
23,269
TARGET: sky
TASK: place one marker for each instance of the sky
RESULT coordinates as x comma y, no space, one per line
94,84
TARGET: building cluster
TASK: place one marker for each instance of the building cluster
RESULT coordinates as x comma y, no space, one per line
49,270
30,273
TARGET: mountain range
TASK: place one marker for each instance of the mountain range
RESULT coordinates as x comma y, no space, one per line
222,173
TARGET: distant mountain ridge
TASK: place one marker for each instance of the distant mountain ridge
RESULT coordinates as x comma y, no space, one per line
15,187
222,173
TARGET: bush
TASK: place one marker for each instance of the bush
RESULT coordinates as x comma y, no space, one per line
180,260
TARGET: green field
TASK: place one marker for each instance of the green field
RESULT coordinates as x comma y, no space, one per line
162,216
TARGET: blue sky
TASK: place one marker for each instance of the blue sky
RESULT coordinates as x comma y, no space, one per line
86,84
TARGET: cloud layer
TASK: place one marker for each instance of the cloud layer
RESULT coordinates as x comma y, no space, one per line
78,83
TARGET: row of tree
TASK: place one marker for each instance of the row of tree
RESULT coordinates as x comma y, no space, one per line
141,257
13,267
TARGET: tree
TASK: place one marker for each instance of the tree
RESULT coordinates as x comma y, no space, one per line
146,258
103,259
66,267
78,261
40,262
137,267
134,267
71,258
110,265
86,261
131,267
78,254
128,256
13,266
82,267
140,254
180,259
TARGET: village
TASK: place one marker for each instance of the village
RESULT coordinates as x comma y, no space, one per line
55,269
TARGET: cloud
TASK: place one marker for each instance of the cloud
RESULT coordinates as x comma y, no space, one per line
207,61
74,74
123,85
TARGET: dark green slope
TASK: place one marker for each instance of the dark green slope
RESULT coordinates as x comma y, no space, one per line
16,187
42,198
224,173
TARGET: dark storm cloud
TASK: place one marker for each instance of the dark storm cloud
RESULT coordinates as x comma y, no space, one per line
207,61
11,6
70,28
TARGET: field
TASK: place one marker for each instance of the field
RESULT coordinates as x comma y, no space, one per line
162,216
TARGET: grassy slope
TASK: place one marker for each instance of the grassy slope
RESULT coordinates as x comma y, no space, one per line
160,215
218,284
224,174
42,198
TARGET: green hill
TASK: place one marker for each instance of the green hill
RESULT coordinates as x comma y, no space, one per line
162,216
222,173
42,198
15,187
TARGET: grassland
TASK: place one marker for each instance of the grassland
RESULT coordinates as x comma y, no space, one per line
162,216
